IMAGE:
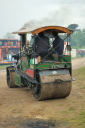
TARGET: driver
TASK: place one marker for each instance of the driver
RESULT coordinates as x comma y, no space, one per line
41,44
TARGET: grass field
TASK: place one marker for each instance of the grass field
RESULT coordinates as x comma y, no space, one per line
3,67
78,108
78,57
74,116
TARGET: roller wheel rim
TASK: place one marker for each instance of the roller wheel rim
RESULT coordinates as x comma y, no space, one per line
36,93
8,82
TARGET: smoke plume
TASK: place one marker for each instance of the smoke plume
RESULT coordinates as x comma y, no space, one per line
62,17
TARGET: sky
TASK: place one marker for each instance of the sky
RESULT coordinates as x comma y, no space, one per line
15,14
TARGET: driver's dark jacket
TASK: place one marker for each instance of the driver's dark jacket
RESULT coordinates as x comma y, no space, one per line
60,48
41,45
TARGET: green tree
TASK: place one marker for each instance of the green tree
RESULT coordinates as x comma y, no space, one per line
72,26
79,38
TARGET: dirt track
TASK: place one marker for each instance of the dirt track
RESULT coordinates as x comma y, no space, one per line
78,63
18,104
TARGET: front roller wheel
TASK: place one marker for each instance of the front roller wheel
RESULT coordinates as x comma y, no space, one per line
36,90
51,90
11,79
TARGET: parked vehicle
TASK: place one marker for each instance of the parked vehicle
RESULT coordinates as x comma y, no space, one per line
81,52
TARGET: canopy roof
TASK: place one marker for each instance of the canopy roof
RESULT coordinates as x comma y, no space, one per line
45,29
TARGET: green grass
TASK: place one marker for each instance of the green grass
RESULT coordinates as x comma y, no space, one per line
79,71
70,122
3,67
74,115
72,109
81,118
66,112
79,75
77,57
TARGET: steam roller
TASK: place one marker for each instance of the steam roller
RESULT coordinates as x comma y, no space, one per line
46,77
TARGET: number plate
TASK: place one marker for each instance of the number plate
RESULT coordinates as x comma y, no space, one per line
57,66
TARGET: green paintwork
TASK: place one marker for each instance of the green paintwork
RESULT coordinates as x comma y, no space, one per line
66,57
19,81
26,64
48,65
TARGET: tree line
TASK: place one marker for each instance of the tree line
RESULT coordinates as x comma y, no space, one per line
78,39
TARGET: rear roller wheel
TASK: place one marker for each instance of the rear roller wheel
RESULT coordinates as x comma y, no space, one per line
11,79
